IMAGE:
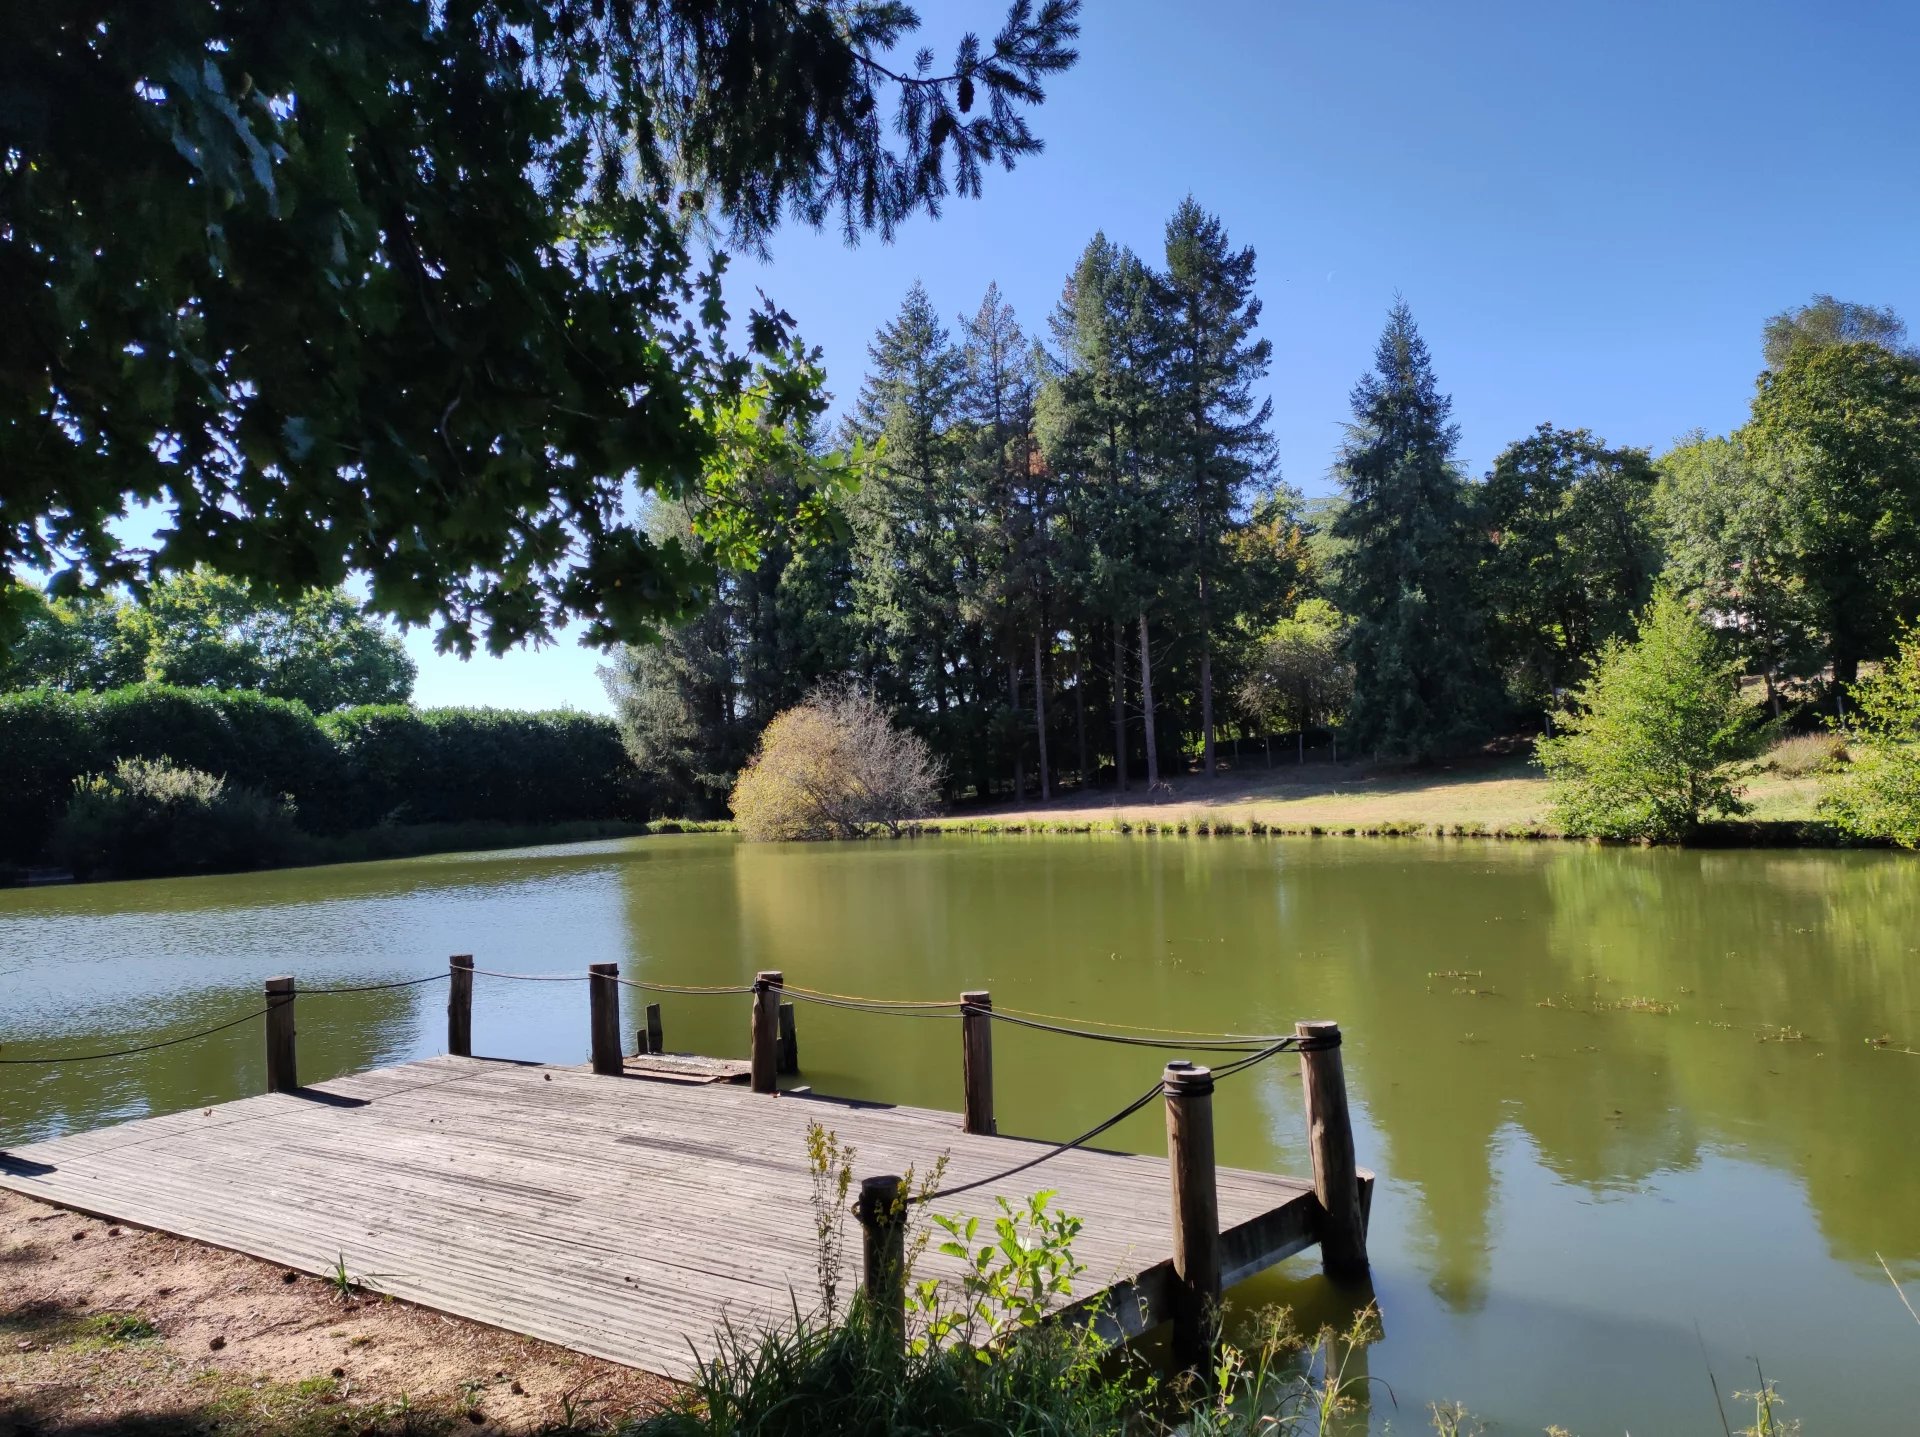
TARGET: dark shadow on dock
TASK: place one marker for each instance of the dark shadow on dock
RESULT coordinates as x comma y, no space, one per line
21,1168
328,1100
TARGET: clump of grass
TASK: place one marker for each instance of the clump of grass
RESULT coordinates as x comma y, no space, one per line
1804,755
114,1329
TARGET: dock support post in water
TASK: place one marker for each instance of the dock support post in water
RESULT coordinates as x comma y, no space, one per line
651,1039
1336,1177
460,1005
764,1031
882,1210
976,1062
281,1076
603,994
787,1050
1196,1207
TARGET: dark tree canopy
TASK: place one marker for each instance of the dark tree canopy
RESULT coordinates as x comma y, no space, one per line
409,290
1570,558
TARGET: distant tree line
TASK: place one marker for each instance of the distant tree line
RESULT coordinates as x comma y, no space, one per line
1074,561
359,768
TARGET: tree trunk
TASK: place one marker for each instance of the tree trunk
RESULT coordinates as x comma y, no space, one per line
1019,751
1269,743
1301,739
1146,702
1040,713
1119,708
1206,686
1773,695
1080,707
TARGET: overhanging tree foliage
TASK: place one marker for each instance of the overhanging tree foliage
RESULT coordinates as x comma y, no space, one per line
409,290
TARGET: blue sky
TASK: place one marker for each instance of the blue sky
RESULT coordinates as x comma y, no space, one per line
1590,208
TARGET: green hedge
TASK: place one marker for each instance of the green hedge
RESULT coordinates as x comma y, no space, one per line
405,765
354,769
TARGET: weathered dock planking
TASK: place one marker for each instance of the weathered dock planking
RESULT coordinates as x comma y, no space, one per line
621,1217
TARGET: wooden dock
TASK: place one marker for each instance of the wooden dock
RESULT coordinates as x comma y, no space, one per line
625,1219
630,1208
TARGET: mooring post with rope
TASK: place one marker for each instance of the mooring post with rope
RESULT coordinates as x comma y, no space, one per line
764,1031
787,1051
652,1038
603,998
976,1062
1196,1207
282,1076
460,1005
1336,1176
882,1211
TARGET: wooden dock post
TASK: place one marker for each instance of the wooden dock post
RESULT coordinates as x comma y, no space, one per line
656,1038
882,1210
603,990
1336,1177
764,1031
460,1005
1196,1207
976,1062
787,1051
281,1073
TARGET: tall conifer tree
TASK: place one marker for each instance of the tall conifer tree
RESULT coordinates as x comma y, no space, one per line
1214,431
1406,572
906,597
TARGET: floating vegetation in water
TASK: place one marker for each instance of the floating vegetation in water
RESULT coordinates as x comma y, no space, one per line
1781,1034
1476,992
1456,973
1596,1004
1632,1005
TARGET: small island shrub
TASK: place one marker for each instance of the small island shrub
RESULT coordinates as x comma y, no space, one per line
1653,741
834,767
1877,796
150,817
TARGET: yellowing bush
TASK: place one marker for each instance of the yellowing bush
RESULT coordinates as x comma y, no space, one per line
833,767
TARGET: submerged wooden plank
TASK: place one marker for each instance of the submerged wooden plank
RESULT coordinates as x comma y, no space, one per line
686,1068
623,1219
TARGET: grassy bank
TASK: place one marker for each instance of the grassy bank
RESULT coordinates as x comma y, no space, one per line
418,839
1506,798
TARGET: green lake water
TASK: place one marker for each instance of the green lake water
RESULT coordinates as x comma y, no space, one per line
1584,1206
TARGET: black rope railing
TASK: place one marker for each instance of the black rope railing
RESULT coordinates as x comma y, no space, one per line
1291,1044
144,1047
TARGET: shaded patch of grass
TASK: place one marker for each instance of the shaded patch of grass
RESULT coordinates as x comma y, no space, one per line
105,1330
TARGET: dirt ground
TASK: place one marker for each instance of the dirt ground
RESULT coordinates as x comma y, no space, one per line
111,1329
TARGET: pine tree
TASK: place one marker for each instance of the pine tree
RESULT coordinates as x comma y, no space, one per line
905,591
1004,579
1405,573
1215,432
1096,416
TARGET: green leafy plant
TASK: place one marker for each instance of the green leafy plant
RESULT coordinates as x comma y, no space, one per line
1652,742
1008,1283
1877,796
